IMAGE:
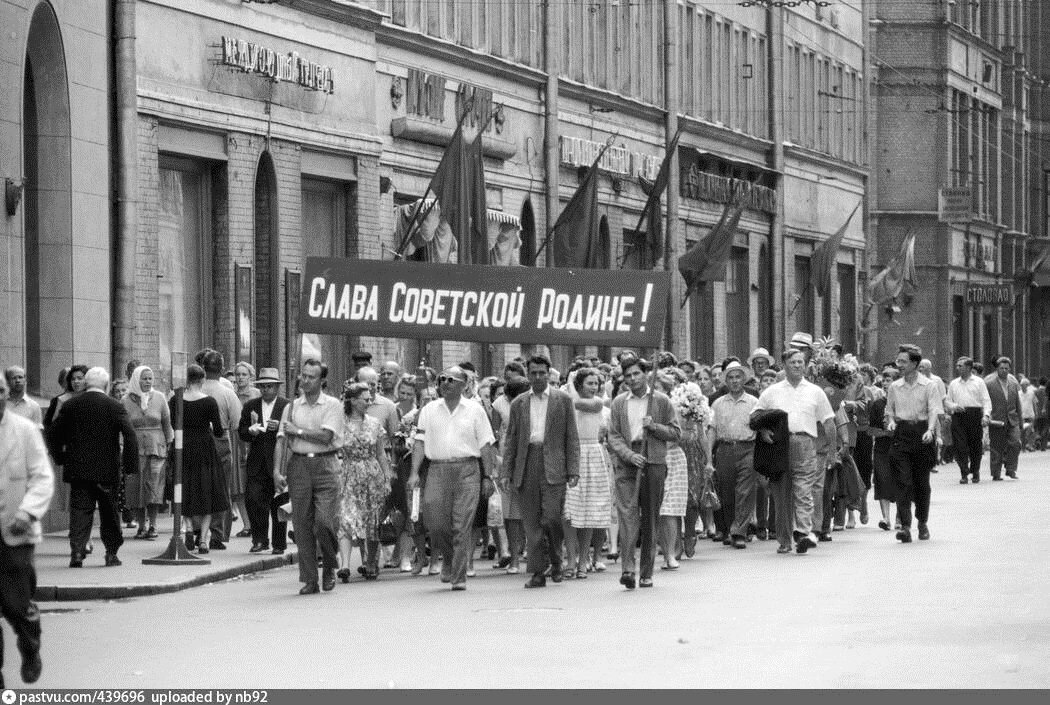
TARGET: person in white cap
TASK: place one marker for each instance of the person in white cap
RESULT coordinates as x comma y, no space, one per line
734,445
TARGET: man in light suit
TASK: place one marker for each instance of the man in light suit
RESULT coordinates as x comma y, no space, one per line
26,485
1004,430
260,419
541,455
643,422
88,433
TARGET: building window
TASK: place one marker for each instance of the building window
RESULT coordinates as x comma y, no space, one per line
184,300
738,303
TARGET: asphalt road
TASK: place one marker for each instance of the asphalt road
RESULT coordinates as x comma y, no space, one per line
967,609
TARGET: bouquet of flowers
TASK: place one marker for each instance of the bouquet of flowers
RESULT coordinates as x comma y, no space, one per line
405,431
839,372
690,403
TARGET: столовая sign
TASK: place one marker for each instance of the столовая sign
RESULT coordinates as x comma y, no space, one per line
483,303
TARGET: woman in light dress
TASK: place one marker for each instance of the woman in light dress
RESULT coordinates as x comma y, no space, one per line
589,504
149,414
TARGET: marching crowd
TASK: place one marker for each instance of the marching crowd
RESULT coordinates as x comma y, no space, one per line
552,474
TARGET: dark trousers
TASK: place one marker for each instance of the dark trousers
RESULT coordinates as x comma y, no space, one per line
967,440
17,585
222,522
782,509
862,456
83,498
278,528
541,509
639,509
1004,444
257,496
313,486
736,483
912,461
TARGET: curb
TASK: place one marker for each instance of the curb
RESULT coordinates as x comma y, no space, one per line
68,593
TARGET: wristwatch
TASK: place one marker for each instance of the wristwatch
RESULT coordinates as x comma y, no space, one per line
299,432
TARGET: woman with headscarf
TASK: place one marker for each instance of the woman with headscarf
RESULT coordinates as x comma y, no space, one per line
148,411
243,382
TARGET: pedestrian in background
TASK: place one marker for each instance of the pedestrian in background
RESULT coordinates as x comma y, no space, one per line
1004,428
149,415
204,491
26,486
257,429
970,408
244,386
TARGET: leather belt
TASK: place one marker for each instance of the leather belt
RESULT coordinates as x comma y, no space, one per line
451,461
734,443
800,433
316,455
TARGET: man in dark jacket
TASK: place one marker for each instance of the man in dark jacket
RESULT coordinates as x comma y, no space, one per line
88,433
260,419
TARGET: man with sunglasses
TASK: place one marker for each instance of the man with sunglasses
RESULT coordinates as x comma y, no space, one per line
454,435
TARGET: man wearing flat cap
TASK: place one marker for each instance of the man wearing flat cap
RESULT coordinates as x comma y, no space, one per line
361,359
260,419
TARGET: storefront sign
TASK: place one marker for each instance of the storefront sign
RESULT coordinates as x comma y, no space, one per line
254,58
484,303
425,94
955,205
576,151
721,189
989,295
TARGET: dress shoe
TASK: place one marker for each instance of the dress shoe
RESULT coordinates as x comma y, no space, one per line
838,527
216,545
995,478
924,533
328,579
739,542
76,560
277,552
783,549
904,535
259,547
344,574
151,533
727,540
964,481
243,534
976,479
459,586
112,560
884,525
309,589
719,536
645,582
556,573
762,534
805,542
31,667
446,578
627,580
536,581
1012,475
824,536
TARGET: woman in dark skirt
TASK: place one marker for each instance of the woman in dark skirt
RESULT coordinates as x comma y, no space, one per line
203,482
885,484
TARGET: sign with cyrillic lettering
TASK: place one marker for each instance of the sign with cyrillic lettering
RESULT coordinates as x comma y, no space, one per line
484,303
990,295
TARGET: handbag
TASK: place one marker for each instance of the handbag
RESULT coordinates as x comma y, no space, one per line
709,497
390,527
495,513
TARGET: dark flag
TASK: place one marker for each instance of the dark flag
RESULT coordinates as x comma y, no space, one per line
459,189
574,237
824,257
651,215
705,261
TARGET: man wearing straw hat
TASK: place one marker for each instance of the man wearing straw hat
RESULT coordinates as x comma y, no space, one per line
260,419
734,443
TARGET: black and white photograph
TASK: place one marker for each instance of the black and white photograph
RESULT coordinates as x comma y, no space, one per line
581,346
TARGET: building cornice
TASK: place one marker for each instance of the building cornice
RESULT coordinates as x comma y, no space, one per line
825,160
425,46
353,15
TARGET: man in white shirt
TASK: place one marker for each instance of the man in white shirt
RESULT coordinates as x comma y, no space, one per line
19,402
807,406
733,442
969,406
454,435
218,388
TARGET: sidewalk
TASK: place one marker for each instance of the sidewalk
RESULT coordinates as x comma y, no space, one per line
56,581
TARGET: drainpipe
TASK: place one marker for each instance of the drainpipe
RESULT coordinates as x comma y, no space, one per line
671,105
777,249
551,47
126,177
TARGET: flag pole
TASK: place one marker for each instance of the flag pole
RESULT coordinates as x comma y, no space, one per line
666,164
550,231
399,252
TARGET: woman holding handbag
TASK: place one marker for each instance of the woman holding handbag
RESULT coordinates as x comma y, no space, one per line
366,479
